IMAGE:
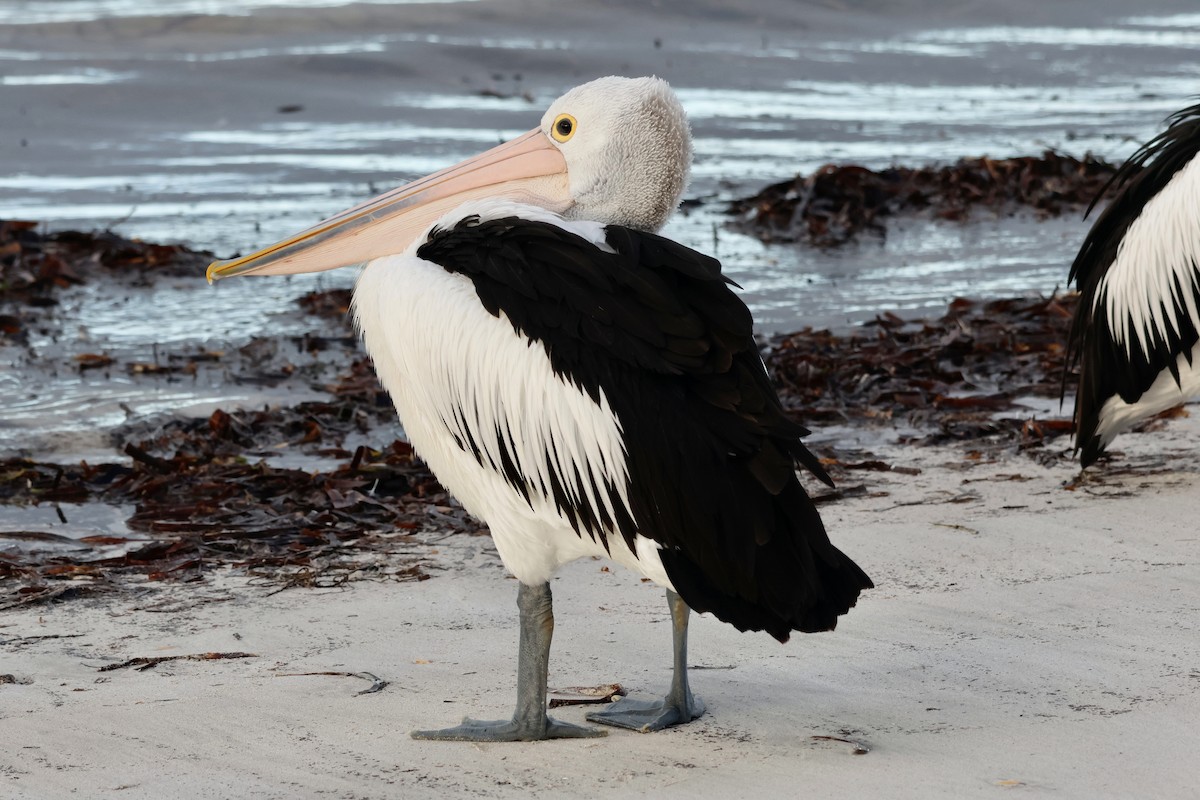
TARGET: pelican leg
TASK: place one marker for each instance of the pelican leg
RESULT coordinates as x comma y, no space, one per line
679,706
530,720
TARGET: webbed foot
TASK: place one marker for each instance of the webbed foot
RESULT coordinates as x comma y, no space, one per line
530,721
645,716
679,707
508,730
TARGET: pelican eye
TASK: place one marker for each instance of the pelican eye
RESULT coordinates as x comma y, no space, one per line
563,127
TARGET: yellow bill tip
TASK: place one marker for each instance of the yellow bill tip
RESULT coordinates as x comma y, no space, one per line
226,268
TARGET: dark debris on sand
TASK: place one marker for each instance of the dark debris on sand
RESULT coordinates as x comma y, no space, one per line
837,202
199,515
957,378
205,496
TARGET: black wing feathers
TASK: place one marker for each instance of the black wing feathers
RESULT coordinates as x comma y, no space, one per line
1105,368
710,452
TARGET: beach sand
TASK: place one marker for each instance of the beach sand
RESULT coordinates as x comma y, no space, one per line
1023,636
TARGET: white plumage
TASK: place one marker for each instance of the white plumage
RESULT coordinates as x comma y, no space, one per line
420,323
1165,393
1154,275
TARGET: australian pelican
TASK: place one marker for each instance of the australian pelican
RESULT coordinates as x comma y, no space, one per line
585,386
1135,333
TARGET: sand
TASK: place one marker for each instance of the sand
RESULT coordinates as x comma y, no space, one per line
1024,636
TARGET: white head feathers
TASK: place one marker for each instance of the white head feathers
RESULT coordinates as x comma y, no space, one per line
629,151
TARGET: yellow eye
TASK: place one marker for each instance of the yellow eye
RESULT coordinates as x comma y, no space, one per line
563,127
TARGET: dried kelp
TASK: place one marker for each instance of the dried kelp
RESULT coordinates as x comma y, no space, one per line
327,303
205,504
143,663
958,377
205,492
32,260
204,514
378,684
837,202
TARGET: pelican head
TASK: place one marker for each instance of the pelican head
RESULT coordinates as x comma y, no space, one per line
615,151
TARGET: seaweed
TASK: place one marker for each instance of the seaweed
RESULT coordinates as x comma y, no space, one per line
833,205
961,377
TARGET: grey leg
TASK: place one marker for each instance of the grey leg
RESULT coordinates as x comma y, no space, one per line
679,706
530,720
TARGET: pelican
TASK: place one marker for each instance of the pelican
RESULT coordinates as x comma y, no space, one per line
1134,335
585,386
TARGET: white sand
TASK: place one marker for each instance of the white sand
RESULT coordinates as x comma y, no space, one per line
1023,637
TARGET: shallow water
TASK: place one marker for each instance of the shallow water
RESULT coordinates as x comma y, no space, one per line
51,530
37,12
228,138
230,186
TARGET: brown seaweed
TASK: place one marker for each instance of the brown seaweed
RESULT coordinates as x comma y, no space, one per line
960,377
836,203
